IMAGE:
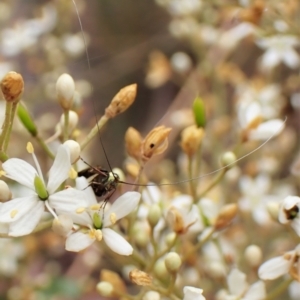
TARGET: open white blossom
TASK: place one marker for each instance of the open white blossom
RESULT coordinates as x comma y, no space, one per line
21,215
279,48
289,212
95,224
192,293
289,262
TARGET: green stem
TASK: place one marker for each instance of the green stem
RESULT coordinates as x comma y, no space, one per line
66,125
95,130
279,289
192,182
44,147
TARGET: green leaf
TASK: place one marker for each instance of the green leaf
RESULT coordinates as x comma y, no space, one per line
26,119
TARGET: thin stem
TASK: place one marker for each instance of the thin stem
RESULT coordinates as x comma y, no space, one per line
66,125
192,182
11,121
5,126
44,147
94,131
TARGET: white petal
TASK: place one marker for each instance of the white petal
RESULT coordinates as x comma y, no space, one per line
192,293
274,268
236,282
78,241
4,227
267,129
20,171
17,207
28,222
291,59
296,225
123,206
59,171
257,291
67,201
116,242
83,185
270,59
294,290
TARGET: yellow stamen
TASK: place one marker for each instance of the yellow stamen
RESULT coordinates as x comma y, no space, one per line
29,148
13,213
2,173
80,210
98,235
113,218
95,207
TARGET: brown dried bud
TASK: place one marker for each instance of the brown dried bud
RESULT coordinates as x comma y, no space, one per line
114,279
226,215
191,138
140,278
121,101
133,142
176,221
12,86
156,142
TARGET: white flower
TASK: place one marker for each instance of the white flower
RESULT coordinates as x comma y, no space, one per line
279,48
289,212
96,228
192,293
21,215
239,288
281,265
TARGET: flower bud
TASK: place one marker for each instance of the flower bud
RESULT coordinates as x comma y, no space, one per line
105,288
73,120
12,86
226,215
121,101
173,262
253,255
133,142
65,88
228,159
175,220
140,278
5,193
114,279
154,215
170,238
199,112
191,138
74,148
156,142
160,270
151,295
273,210
62,225
26,120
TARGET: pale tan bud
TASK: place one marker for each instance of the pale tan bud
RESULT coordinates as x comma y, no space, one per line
216,269
226,215
228,159
121,101
191,138
62,225
173,262
273,210
253,255
140,278
175,220
12,86
114,279
73,120
151,295
156,142
170,238
133,142
105,288
65,89
5,193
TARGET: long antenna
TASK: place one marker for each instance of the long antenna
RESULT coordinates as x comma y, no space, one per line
89,66
220,169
